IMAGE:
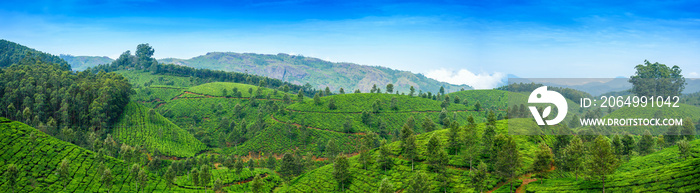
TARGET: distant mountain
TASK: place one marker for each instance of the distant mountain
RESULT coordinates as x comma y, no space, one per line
79,63
318,73
14,53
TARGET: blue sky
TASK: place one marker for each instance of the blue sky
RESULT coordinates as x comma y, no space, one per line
477,43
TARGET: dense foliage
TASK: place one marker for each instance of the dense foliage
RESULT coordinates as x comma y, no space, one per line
13,53
55,100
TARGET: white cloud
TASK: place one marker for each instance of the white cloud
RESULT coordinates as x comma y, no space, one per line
464,76
693,75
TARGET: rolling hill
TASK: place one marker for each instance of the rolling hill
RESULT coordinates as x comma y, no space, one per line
319,73
38,160
13,53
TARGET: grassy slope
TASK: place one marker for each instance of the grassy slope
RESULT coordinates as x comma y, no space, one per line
661,171
137,128
351,105
321,179
38,173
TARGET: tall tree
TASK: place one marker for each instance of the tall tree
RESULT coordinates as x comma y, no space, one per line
409,149
251,164
107,179
341,170
144,53
170,176
384,159
672,135
543,159
454,139
11,175
287,166
428,124
684,149
64,170
385,186
317,99
143,179
194,176
646,144
602,162
471,144
239,165
574,156
205,176
300,96
271,162
331,150
257,184
657,80
508,158
688,130
331,104
419,183
479,177
629,144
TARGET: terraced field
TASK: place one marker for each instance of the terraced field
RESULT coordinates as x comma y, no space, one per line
661,171
140,127
321,179
38,161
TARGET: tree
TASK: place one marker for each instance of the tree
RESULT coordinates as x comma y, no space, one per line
317,99
409,149
170,176
144,53
341,170
205,176
347,126
479,177
331,104
251,164
646,144
491,118
477,106
107,179
300,96
543,159
11,175
331,150
657,80
394,104
383,159
239,165
143,179
419,183
257,184
218,185
271,162
428,124
671,136
374,89
434,153
508,159
386,186
617,145
341,91
684,149
688,130
135,172
471,144
454,139
64,170
194,175
390,88
629,143
287,167
574,156
602,162
411,91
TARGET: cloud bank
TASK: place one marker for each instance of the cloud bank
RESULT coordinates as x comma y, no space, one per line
464,76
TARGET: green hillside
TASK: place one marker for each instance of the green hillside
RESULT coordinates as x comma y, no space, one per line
661,171
319,73
38,161
368,180
141,127
80,63
13,53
